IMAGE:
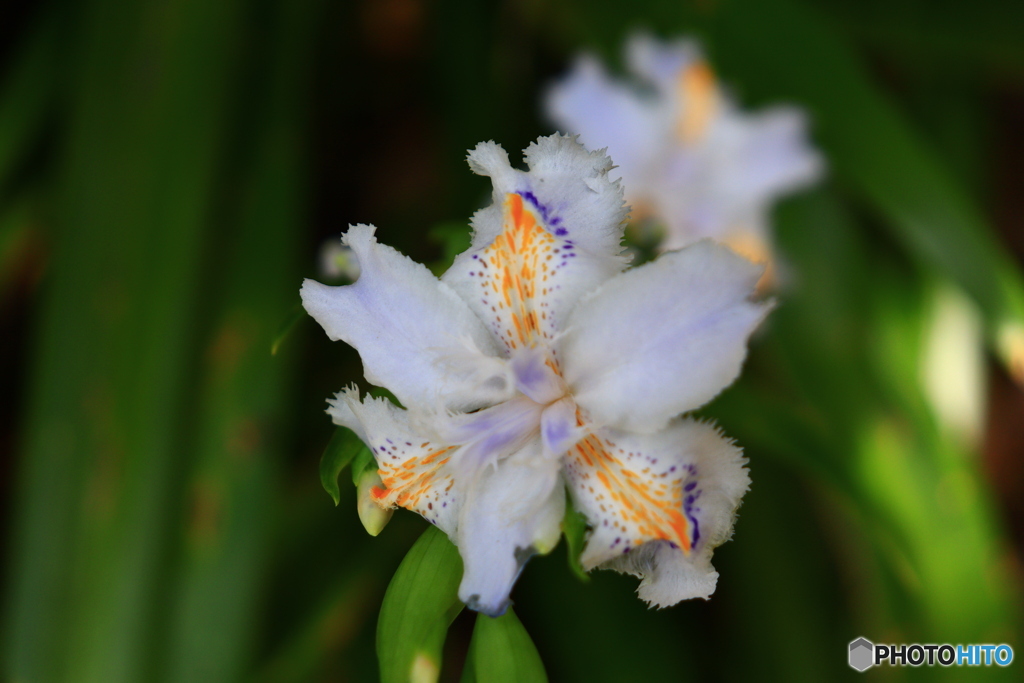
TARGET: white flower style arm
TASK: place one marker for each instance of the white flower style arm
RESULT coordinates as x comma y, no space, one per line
535,365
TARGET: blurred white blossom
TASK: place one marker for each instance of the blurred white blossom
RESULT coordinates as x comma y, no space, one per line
689,158
536,364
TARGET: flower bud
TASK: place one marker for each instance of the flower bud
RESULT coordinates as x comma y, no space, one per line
371,514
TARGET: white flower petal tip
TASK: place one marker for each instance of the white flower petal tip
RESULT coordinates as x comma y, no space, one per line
340,410
403,321
371,514
509,514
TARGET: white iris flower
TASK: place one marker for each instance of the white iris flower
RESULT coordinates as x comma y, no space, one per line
536,364
688,157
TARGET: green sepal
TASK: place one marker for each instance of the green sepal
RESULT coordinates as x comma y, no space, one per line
502,652
362,462
574,527
341,449
296,314
421,602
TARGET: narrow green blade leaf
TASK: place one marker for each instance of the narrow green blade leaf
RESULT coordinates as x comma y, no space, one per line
294,316
574,526
421,602
502,652
341,449
244,405
107,423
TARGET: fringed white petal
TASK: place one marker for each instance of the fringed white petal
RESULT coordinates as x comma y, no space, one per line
415,470
339,408
662,339
510,512
659,505
409,328
551,235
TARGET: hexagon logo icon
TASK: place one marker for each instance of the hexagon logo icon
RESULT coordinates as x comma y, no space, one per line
862,654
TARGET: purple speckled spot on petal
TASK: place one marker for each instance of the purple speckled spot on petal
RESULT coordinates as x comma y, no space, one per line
545,213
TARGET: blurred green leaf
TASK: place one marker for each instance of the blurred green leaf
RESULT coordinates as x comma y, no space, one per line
287,327
341,449
29,90
116,356
574,526
17,236
421,602
332,626
984,35
233,490
502,652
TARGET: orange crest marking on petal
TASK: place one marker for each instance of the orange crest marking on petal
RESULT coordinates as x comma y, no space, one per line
699,96
415,483
515,270
639,498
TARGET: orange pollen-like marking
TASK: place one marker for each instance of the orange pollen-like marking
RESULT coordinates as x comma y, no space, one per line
660,519
430,458
516,255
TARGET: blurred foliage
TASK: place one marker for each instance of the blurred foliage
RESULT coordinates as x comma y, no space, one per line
168,170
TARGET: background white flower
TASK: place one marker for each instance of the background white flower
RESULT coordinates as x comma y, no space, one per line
536,364
688,157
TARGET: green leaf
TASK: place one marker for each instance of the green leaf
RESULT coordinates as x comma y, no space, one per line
454,238
343,447
421,602
502,652
294,316
574,526
107,428
28,90
244,407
